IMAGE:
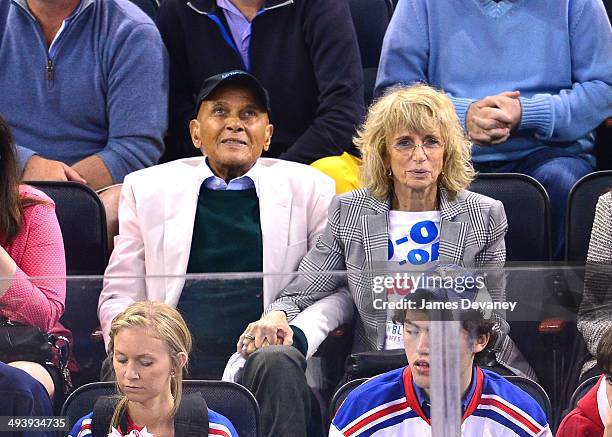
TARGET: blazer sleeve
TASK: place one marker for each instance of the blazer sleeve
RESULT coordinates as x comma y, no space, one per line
312,284
37,302
318,320
124,281
595,312
492,259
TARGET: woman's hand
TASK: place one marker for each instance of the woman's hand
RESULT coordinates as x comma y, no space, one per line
7,270
270,329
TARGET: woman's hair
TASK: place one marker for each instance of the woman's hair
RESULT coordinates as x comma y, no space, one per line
418,109
165,323
11,212
604,351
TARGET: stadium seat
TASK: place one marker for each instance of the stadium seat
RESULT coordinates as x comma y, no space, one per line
528,212
535,390
83,223
342,393
371,18
527,385
580,391
231,400
581,212
371,363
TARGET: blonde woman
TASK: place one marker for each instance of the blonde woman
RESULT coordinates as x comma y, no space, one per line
414,211
150,345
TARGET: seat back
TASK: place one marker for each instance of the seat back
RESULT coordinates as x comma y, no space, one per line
527,385
580,213
370,18
82,220
528,212
83,223
231,400
581,391
534,390
342,393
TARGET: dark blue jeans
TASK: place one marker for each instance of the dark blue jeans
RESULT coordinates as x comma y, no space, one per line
558,171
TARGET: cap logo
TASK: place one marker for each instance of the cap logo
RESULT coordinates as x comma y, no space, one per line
230,73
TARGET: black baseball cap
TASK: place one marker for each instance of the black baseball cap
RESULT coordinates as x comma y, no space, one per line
235,76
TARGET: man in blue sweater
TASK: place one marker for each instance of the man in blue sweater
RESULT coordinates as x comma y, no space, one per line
83,85
530,81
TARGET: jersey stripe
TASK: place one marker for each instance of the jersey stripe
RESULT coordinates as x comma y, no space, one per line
218,429
512,412
390,409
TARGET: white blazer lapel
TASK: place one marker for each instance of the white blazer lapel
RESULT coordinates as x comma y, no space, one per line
274,214
181,201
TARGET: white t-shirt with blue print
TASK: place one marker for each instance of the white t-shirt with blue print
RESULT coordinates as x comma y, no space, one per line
414,242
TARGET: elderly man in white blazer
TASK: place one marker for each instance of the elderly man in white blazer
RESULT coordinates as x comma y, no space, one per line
161,216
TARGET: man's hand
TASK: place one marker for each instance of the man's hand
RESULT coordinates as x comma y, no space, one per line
489,121
270,329
41,169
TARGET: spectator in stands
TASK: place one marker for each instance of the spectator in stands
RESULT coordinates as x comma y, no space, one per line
414,211
149,348
491,405
22,395
593,415
529,104
595,314
84,87
304,52
209,212
30,246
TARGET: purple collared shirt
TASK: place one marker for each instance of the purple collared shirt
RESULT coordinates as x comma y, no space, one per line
240,28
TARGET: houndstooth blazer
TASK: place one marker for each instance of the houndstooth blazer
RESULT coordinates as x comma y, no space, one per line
595,313
472,231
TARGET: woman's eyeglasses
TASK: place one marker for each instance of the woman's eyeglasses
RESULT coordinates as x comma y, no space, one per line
406,145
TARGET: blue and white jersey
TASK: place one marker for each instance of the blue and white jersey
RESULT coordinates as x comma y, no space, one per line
387,406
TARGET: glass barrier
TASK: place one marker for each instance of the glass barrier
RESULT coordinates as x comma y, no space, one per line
351,326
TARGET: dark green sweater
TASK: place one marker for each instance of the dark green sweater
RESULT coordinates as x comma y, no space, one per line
226,238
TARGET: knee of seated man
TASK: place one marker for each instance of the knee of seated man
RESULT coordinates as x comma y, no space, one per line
564,172
17,381
277,357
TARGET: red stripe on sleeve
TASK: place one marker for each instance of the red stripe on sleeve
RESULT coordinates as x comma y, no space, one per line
514,414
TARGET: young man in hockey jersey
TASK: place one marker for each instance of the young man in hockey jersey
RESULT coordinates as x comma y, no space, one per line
397,403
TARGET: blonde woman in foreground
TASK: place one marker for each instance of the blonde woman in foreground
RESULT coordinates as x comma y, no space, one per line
149,347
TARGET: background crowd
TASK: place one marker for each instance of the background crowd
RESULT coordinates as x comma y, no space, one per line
226,136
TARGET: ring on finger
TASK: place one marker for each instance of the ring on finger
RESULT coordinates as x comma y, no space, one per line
249,337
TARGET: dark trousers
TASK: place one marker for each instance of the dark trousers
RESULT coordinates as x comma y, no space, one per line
558,171
275,375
